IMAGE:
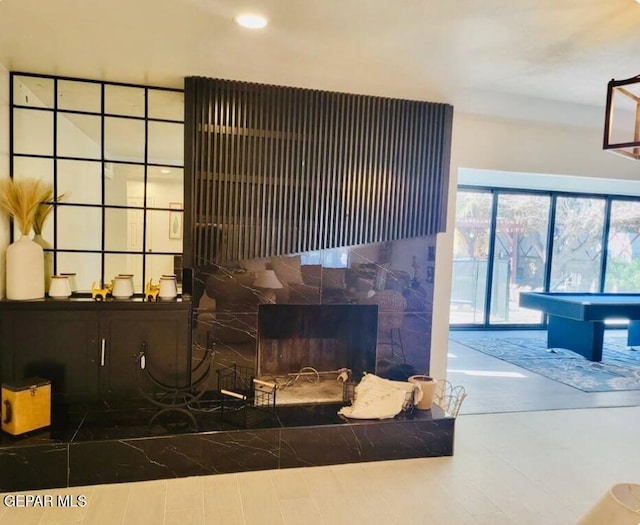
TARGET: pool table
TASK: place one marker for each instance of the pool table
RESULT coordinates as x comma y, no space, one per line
576,320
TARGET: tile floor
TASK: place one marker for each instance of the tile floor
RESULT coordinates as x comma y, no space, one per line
527,452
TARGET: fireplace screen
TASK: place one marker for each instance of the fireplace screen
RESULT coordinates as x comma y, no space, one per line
310,354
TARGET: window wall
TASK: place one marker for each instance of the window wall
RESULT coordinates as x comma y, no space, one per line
471,255
519,255
623,255
512,241
576,256
113,153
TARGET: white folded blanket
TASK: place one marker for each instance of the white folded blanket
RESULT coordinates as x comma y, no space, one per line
378,398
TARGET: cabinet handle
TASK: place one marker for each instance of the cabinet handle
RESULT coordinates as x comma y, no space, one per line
102,351
143,357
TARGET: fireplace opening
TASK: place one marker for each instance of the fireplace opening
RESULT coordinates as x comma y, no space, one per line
310,354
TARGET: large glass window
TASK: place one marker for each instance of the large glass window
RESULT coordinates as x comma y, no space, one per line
471,256
576,257
623,248
115,153
519,255
510,241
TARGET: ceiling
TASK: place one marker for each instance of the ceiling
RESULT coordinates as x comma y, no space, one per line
538,59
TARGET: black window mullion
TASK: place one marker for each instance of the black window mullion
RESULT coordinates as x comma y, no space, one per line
605,243
550,229
103,243
490,255
145,204
55,177
11,143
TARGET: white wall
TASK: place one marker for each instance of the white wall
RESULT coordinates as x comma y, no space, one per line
519,146
487,143
4,167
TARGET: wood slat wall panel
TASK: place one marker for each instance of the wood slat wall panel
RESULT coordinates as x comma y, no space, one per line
276,170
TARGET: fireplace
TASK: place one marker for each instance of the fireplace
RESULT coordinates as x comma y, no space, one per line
310,354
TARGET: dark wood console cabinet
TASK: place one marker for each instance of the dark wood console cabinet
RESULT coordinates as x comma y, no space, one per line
90,349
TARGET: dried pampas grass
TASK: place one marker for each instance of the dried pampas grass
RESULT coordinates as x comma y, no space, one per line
21,199
44,209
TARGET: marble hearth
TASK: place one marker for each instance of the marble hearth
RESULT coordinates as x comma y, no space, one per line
112,444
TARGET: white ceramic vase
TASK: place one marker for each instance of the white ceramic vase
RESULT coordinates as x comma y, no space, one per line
25,270
48,258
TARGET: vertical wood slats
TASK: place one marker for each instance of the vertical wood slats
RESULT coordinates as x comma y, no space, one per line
277,170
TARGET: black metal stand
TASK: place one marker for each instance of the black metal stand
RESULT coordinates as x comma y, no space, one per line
244,403
176,402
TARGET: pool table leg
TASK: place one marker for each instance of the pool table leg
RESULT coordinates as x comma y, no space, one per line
633,333
583,337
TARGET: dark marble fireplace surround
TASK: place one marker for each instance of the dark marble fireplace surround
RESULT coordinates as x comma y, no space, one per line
396,276
110,443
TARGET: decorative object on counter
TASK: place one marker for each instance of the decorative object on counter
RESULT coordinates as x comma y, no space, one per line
267,281
129,276
60,288
122,287
73,283
151,291
620,505
378,398
26,405
42,212
25,270
24,257
100,294
168,287
427,386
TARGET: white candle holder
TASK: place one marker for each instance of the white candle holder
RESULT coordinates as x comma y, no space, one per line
60,287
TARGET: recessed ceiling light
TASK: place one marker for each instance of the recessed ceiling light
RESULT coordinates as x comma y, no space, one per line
253,21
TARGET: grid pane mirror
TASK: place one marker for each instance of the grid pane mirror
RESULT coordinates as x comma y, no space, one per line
114,155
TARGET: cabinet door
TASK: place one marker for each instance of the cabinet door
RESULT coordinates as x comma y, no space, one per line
60,346
165,339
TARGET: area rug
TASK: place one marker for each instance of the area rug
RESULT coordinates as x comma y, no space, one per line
619,369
